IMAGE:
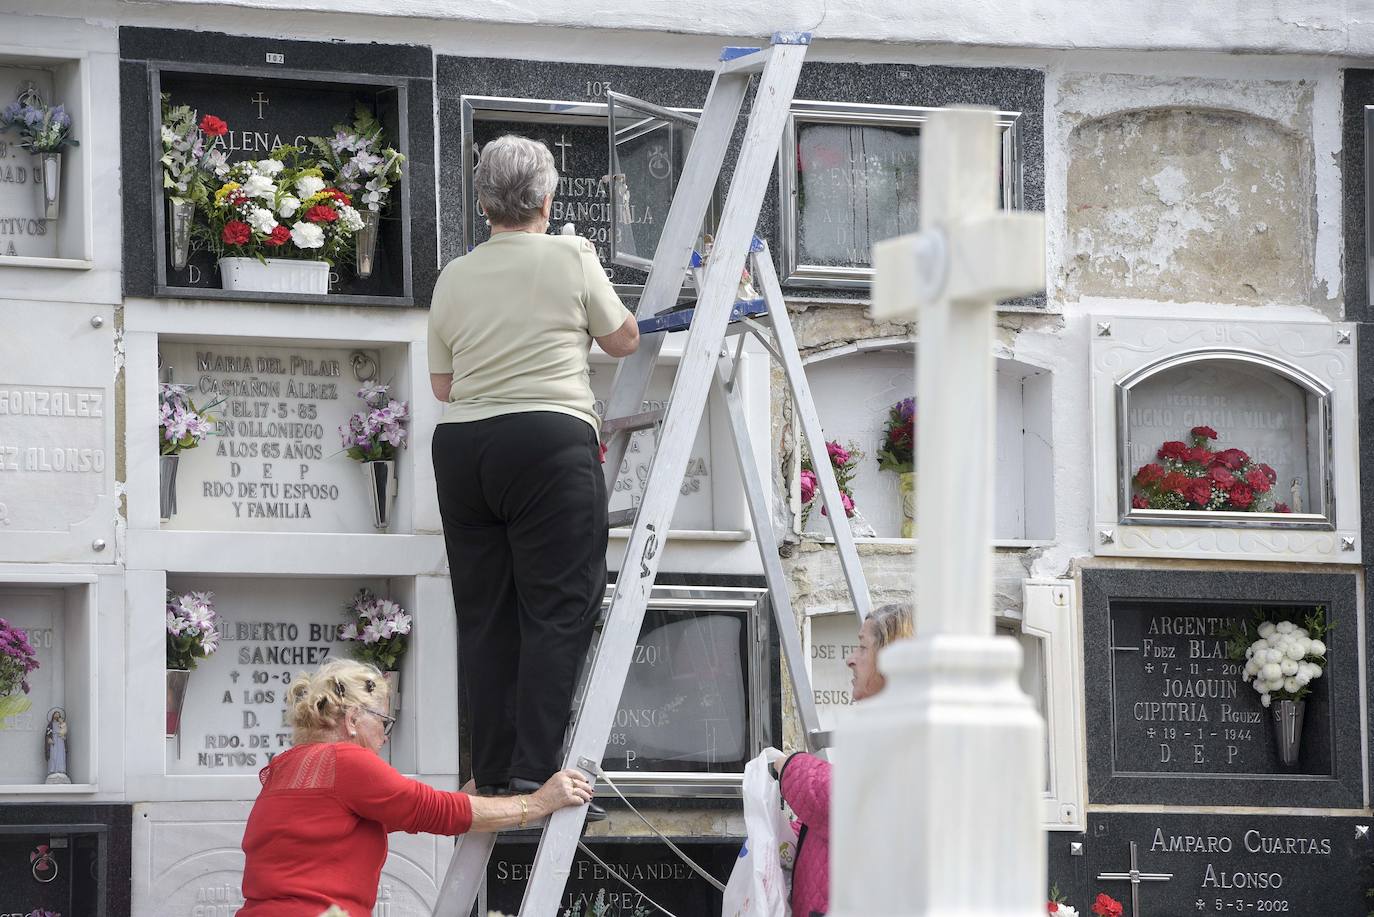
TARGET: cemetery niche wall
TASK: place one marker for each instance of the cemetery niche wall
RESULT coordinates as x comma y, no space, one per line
268,93
1171,716
1225,440
857,386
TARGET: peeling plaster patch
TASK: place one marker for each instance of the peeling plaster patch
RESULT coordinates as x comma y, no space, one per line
1190,204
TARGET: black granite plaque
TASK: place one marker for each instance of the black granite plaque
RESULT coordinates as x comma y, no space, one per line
72,860
646,863
1208,864
1357,92
573,121
269,92
1169,719
1179,705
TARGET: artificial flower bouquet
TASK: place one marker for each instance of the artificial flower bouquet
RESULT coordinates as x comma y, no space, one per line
180,423
845,463
42,128
279,207
1194,477
379,629
192,629
1284,658
1103,906
17,662
359,162
191,163
374,433
898,452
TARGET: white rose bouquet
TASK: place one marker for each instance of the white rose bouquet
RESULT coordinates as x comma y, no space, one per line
1283,659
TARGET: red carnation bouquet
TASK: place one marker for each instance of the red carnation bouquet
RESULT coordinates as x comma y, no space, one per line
1194,477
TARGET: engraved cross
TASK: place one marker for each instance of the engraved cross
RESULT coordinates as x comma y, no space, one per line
1135,877
563,147
260,101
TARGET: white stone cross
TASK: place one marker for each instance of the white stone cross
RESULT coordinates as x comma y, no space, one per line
936,808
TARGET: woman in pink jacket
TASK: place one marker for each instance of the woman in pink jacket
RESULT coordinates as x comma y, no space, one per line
805,779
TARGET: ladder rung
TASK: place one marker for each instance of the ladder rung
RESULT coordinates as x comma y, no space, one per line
681,320
744,61
620,518
641,421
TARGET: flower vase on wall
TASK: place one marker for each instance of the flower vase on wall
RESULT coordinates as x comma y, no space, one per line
51,166
381,488
180,215
167,485
1288,730
365,243
906,486
392,677
177,679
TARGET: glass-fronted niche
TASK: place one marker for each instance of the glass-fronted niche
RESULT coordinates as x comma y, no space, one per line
1233,439
848,176
696,704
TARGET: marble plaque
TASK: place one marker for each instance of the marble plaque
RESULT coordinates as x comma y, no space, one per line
830,638
1169,720
275,461
233,721
23,230
592,890
1205,864
1270,418
38,613
695,505
188,862
57,435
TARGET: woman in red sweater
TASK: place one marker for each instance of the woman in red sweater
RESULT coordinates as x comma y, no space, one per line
317,833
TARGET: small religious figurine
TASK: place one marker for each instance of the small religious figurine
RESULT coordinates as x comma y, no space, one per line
55,747
1295,493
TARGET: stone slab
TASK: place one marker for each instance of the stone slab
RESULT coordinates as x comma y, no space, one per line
1303,866
1124,701
409,232
92,870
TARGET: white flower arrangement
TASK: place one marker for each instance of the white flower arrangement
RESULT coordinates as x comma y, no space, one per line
1285,659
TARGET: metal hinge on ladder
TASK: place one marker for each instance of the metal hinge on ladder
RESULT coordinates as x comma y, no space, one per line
703,368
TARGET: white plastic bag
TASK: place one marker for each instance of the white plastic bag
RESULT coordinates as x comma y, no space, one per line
761,881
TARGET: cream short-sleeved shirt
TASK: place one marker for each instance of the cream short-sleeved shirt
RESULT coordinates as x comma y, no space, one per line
513,320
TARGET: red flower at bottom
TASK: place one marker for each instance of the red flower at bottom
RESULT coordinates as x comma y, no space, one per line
1107,906
236,232
1139,502
321,213
1053,908
280,235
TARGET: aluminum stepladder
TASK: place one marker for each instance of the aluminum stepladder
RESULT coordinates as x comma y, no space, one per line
705,363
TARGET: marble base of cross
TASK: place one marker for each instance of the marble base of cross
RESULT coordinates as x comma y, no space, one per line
936,805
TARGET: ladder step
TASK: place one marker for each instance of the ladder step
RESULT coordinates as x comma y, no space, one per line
621,518
681,320
641,421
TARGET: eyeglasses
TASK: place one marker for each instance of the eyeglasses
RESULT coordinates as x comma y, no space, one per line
388,722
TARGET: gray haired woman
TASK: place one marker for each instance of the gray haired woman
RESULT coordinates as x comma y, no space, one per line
517,462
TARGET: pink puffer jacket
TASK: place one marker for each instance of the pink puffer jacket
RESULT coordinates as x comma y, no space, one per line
805,785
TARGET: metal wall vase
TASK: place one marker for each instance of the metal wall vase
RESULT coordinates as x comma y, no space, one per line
1288,730
180,215
365,242
381,487
52,184
167,485
177,679
393,688
906,487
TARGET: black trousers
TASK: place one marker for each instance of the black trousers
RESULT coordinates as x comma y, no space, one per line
523,502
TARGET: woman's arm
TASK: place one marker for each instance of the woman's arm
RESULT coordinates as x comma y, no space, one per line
565,788
441,384
623,341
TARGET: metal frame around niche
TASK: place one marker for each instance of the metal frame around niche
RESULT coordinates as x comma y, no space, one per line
1323,521
539,111
752,603
798,274
339,78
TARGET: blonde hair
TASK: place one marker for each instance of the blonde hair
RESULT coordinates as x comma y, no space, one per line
316,703
891,623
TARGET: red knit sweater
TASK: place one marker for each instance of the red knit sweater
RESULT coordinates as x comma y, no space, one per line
317,834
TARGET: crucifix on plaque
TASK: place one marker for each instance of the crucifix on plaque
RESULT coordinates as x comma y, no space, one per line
563,147
260,101
1135,877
